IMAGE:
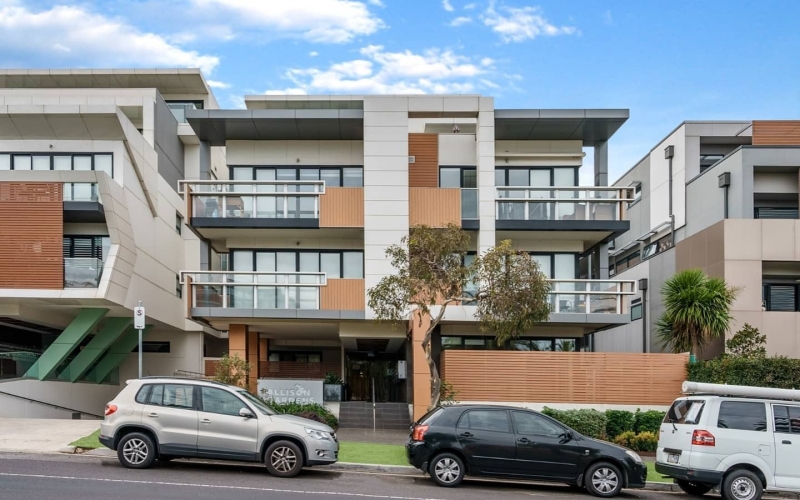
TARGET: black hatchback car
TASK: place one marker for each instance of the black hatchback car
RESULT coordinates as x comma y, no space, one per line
498,441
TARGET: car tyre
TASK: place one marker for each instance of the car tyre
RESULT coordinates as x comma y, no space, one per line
283,459
692,488
742,484
603,479
136,451
447,470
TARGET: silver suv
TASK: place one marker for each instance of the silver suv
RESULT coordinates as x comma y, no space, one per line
164,418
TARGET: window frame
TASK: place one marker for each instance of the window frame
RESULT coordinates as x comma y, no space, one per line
256,251
340,168
766,294
636,305
51,155
462,170
529,168
467,413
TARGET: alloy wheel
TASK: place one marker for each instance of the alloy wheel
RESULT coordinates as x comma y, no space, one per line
283,459
605,480
447,470
135,451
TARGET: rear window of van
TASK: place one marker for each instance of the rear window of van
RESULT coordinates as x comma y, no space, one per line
685,411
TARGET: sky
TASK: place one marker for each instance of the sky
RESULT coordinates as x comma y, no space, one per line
665,61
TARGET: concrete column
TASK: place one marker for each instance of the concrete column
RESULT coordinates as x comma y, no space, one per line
601,163
485,167
253,357
237,341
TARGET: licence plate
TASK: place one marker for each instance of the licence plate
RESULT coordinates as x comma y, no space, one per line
673,458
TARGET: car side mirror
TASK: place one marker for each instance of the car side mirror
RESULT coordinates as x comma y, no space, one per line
244,412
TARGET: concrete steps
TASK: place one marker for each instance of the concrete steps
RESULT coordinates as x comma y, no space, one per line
388,416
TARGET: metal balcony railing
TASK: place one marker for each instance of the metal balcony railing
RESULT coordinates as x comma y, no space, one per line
254,199
82,272
562,203
81,191
590,296
254,290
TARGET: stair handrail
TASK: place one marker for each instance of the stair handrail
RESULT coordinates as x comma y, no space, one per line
58,407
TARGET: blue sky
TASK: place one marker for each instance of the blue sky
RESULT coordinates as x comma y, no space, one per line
666,62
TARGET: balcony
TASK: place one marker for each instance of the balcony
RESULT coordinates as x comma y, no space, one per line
598,212
232,205
590,296
224,294
82,203
82,272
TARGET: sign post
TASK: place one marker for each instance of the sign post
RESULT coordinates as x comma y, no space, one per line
138,323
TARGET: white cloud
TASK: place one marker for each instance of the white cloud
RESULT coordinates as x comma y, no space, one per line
69,35
446,5
329,21
313,53
377,3
470,6
215,84
382,72
460,21
608,18
517,24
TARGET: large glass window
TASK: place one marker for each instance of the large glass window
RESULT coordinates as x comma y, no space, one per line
743,416
466,179
537,176
485,420
101,162
333,176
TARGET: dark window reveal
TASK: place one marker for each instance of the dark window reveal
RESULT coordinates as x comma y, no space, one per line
153,346
743,416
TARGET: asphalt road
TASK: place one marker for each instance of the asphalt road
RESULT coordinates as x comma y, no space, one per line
52,477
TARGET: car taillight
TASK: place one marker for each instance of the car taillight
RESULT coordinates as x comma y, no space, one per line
419,433
703,438
110,409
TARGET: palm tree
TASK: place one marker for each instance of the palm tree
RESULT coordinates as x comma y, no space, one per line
697,310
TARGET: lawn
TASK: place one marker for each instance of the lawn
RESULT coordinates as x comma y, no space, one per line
652,475
89,442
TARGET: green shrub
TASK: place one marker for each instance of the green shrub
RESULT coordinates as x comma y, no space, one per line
590,423
648,421
617,422
645,442
778,372
625,439
315,412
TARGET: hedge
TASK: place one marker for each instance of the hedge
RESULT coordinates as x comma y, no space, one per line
644,441
618,422
648,421
315,412
778,372
590,423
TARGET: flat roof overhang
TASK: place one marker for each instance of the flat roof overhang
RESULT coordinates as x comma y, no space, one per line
588,125
218,235
166,80
216,126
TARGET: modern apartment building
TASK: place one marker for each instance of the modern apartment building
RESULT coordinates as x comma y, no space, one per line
722,197
258,231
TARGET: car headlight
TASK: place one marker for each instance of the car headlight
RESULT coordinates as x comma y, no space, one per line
634,456
317,434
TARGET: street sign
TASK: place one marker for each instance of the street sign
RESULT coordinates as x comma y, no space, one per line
138,318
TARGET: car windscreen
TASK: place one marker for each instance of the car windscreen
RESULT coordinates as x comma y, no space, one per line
258,403
685,411
432,415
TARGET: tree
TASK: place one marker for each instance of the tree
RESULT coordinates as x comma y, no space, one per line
511,292
232,370
747,343
697,311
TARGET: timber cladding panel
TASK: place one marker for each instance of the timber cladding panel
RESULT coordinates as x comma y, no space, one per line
435,207
565,377
776,132
424,172
341,207
31,235
342,295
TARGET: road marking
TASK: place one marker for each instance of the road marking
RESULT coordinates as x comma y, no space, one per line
216,486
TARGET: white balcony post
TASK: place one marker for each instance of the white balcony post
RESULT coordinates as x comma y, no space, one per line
224,206
224,291
588,301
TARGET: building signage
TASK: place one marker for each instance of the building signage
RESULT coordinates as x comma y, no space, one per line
291,391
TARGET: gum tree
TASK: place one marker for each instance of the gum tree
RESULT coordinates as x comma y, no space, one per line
508,289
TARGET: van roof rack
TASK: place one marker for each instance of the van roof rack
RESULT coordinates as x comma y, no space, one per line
697,388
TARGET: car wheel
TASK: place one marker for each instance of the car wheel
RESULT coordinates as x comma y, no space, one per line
603,479
742,484
284,459
447,470
136,451
691,488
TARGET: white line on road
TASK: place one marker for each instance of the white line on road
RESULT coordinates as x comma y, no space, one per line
222,487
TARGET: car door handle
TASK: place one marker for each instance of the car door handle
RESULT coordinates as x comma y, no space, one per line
205,421
786,441
466,434
524,441
153,415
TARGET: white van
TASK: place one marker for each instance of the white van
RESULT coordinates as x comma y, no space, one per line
740,440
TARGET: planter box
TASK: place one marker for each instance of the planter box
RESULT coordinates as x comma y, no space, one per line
332,392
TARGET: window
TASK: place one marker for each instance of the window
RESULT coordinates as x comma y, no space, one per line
153,346
779,296
707,160
743,416
178,223
101,162
178,286
333,176
452,343
485,420
776,213
537,176
566,345
353,265
685,411
142,395
335,263
178,396
787,419
458,177
532,424
86,247
222,402
636,310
